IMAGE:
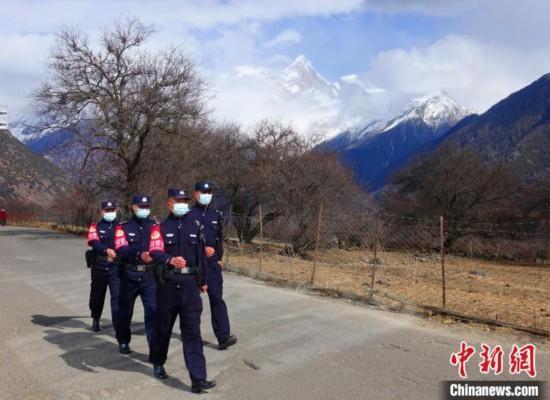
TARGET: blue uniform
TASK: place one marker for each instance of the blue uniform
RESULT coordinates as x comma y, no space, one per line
101,236
136,279
213,234
180,293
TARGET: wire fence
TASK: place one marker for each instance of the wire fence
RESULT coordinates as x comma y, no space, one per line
493,272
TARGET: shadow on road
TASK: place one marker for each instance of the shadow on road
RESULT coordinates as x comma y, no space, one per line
86,350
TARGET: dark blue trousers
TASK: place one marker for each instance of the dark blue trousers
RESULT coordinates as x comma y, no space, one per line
179,297
218,308
104,276
132,285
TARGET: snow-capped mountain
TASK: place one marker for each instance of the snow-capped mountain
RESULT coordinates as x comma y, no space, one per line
437,110
300,95
377,150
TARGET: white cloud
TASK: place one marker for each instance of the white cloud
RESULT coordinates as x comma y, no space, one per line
22,62
204,14
214,12
475,73
430,7
286,37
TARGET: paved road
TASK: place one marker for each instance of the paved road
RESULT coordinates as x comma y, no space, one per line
291,345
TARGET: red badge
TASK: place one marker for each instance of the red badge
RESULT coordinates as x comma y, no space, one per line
92,233
156,242
120,238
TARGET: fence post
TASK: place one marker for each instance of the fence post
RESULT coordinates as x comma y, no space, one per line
546,244
261,236
317,238
229,224
375,255
442,246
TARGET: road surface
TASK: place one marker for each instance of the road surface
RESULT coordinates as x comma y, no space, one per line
292,345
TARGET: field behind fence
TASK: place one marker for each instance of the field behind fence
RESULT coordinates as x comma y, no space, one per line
498,273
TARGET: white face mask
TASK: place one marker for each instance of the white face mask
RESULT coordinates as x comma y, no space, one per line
205,198
180,209
109,216
143,213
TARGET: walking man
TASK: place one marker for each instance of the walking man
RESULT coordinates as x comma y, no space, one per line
101,238
136,274
177,245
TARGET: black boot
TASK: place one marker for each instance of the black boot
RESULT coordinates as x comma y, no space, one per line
201,386
124,348
230,341
96,326
159,372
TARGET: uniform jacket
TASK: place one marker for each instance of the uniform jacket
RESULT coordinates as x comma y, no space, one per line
179,236
101,236
132,239
212,220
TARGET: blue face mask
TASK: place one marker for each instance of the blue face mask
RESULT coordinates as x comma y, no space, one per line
205,198
143,213
109,216
180,209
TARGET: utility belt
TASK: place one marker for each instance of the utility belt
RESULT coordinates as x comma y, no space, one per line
104,259
139,267
174,273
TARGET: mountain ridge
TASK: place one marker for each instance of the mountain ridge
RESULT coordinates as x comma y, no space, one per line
25,176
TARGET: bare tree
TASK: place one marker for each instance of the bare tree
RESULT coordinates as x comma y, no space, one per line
455,183
115,93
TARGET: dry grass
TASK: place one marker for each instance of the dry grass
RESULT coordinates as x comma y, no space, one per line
511,293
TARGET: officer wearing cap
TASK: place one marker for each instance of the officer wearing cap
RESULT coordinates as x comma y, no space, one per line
101,237
178,247
136,275
212,220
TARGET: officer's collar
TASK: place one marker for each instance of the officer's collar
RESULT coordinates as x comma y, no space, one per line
173,216
202,206
140,220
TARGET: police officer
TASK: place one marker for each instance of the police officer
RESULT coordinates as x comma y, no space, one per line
136,275
101,237
212,220
178,247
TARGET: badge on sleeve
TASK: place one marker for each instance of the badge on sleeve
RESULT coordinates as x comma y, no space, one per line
120,237
156,242
92,233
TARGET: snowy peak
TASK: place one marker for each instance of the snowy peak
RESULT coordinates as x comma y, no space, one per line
435,109
300,77
300,65
299,94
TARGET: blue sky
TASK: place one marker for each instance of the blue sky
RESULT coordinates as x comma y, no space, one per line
477,51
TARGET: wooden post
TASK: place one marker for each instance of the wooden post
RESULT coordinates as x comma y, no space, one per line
261,236
228,230
375,256
546,244
318,237
442,245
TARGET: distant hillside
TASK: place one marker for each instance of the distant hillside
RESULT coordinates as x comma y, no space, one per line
375,152
25,176
515,131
